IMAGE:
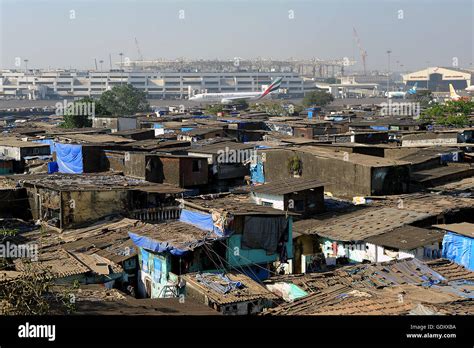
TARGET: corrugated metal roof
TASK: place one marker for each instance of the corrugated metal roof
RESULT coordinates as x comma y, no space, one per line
282,187
463,228
362,224
407,238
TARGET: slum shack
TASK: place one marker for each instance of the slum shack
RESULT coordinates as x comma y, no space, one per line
69,201
299,195
228,293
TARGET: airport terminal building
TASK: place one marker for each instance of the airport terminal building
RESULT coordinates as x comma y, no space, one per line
157,85
438,79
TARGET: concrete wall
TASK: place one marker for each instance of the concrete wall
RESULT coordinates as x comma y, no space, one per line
164,169
79,207
135,164
343,178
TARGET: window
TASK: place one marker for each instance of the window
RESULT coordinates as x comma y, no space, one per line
196,165
267,204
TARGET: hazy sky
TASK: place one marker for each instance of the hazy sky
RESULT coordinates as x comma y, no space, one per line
431,32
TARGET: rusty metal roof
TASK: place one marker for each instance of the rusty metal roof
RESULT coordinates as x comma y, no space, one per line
407,237
232,203
94,182
361,224
463,228
451,270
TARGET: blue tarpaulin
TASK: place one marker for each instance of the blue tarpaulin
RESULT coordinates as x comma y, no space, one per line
459,249
379,128
53,167
256,173
69,158
186,129
153,245
200,220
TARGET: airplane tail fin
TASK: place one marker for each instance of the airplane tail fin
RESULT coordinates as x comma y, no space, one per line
452,92
413,89
273,87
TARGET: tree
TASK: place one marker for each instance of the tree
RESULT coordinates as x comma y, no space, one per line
214,109
32,293
79,113
452,113
319,98
275,108
124,100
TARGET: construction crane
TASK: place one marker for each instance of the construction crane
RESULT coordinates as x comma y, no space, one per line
140,55
363,53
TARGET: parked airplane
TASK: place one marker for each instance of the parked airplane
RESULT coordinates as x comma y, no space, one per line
454,96
229,98
470,89
401,94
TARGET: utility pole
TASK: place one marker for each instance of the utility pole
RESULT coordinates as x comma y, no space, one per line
388,73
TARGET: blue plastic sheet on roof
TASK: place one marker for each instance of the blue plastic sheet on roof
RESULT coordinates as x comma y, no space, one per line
379,127
69,158
186,129
157,125
200,220
459,249
155,246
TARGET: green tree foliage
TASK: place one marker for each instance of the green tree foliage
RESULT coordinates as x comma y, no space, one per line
452,113
317,98
214,109
276,108
124,100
